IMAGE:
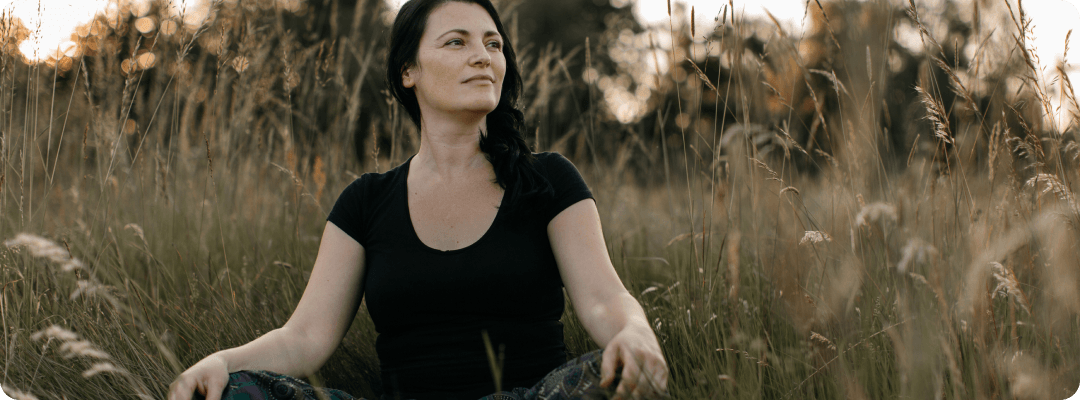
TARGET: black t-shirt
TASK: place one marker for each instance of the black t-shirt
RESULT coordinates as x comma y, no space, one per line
430,306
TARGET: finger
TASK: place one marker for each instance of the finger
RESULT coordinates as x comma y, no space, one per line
215,387
662,377
665,371
659,385
608,364
179,390
630,372
651,376
625,389
640,386
646,386
638,393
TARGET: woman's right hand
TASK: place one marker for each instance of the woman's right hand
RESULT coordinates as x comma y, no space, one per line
208,377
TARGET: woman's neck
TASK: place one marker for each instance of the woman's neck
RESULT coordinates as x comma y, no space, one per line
450,149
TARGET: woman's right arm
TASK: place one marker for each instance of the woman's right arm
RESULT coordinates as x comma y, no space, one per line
306,341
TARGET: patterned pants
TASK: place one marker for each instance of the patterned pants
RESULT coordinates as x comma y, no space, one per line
577,379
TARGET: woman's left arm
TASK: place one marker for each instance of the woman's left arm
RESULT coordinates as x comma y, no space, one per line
610,314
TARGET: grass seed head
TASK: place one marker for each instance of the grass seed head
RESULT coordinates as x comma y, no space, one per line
71,265
39,247
915,251
1052,184
138,231
815,237
1008,285
82,348
918,278
1027,378
102,367
874,212
18,395
822,339
85,287
54,332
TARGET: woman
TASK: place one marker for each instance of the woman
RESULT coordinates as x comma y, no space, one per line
464,247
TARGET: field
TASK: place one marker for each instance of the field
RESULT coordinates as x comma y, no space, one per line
822,217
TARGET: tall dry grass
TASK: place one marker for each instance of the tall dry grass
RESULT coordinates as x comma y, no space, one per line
784,239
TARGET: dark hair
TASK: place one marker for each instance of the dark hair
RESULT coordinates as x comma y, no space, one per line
504,144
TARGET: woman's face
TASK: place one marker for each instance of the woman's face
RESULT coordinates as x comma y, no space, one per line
460,63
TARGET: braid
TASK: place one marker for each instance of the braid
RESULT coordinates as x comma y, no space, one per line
512,159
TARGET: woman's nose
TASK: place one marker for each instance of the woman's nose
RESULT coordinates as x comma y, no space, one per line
481,58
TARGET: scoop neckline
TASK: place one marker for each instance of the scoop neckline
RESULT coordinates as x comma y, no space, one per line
412,229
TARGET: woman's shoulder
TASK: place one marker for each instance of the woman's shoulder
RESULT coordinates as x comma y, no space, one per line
374,187
550,162
381,180
547,156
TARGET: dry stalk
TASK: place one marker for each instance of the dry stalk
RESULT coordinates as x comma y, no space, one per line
1008,285
936,114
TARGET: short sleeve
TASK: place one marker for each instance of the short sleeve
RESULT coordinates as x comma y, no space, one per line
567,182
347,214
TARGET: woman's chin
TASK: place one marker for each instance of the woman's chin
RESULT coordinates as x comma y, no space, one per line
480,107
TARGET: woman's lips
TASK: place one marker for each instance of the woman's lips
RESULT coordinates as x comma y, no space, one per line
481,78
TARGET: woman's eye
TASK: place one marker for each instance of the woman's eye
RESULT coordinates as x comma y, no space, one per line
455,42
495,44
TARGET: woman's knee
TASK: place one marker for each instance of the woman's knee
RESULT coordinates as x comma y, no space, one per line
266,385
261,385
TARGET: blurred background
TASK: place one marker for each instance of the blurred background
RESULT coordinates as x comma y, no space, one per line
325,56
810,198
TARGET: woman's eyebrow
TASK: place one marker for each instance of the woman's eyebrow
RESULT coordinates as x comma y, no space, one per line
464,32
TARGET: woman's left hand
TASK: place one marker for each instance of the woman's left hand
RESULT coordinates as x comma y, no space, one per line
644,371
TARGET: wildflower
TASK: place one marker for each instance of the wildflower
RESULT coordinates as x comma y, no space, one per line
815,237
875,211
102,367
55,332
1008,285
915,251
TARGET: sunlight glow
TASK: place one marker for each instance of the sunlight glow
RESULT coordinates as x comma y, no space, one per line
653,13
53,26
1052,20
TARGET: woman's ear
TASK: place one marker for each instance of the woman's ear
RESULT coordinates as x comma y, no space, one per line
408,76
